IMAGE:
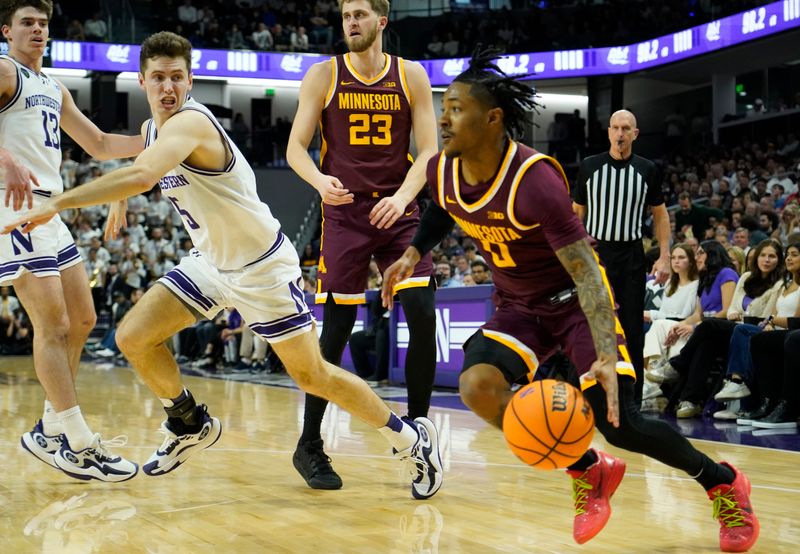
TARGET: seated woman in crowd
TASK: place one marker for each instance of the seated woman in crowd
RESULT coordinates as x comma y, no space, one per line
678,303
755,296
717,282
787,304
771,377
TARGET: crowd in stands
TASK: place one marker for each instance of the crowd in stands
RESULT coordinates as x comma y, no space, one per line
315,25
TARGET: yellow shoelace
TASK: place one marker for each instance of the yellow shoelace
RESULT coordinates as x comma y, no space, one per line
727,510
580,490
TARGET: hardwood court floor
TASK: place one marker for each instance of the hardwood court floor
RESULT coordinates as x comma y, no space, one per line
243,495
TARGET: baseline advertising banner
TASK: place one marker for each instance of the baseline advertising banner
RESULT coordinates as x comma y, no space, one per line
709,37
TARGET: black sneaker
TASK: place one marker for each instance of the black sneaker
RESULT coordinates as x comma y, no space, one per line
313,464
780,418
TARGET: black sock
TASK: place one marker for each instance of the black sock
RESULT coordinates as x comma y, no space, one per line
585,462
713,474
420,367
312,418
184,416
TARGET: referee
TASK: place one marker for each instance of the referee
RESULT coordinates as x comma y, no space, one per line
611,192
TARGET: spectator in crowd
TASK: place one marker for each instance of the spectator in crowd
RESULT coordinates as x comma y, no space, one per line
310,256
481,274
75,31
187,14
95,28
299,40
694,217
262,38
235,38
444,278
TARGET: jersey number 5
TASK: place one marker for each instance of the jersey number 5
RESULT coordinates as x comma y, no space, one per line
361,125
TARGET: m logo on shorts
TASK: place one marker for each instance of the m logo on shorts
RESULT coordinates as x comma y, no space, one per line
20,241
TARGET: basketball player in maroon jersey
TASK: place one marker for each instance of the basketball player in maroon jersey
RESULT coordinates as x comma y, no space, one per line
552,293
366,104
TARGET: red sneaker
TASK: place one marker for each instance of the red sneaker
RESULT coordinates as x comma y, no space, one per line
738,525
591,491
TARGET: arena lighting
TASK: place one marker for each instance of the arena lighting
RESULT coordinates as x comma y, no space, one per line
61,72
241,81
286,67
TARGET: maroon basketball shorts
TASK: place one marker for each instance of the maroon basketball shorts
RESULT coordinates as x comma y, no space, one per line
516,341
349,241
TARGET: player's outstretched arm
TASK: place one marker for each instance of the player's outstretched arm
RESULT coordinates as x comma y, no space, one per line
96,143
423,119
581,263
309,109
178,138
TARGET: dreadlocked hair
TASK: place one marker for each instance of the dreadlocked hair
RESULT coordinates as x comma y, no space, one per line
492,86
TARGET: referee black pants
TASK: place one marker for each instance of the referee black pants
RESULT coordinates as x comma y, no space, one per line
625,267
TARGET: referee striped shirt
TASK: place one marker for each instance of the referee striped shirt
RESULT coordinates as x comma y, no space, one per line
615,193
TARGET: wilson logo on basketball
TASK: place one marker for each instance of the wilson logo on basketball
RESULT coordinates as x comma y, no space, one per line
559,398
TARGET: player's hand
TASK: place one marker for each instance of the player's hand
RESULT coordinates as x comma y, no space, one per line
31,220
18,180
387,211
661,270
399,271
604,370
116,220
333,192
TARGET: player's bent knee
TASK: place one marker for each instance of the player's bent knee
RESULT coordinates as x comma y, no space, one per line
476,387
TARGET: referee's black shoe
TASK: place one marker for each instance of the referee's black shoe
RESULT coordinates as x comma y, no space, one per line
314,465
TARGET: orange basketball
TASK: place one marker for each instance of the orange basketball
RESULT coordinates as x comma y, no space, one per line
548,424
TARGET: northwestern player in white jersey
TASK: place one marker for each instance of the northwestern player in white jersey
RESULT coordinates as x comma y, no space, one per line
44,265
241,260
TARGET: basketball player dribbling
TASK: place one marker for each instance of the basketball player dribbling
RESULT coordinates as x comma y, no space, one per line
44,265
366,104
552,292
249,265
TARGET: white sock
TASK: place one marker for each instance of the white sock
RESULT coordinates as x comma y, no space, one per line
402,439
50,423
78,434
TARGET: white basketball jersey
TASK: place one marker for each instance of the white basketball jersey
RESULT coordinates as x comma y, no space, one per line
221,210
30,127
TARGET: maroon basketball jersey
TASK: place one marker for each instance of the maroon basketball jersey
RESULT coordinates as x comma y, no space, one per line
517,220
366,127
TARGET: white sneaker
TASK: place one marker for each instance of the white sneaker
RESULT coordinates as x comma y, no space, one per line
688,409
104,353
40,445
177,449
96,461
732,391
650,390
657,404
663,374
423,460
728,415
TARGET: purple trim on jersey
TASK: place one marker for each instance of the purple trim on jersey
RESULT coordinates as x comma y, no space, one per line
189,288
271,251
283,326
45,193
34,265
68,254
225,140
17,92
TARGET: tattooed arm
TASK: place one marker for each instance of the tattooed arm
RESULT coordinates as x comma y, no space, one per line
580,262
